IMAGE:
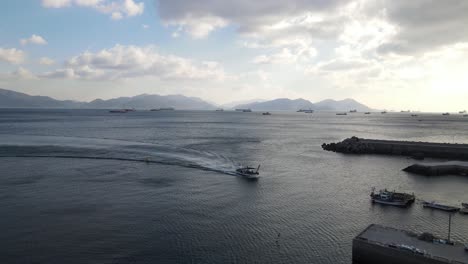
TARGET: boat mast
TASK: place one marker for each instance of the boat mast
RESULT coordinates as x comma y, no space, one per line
450,225
258,168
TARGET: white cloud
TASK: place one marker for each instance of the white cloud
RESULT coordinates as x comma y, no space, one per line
285,56
23,73
34,39
46,61
12,55
144,26
116,9
116,15
56,3
126,62
198,27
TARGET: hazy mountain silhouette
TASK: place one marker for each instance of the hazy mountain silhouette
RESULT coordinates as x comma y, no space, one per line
147,101
11,99
282,104
285,104
341,105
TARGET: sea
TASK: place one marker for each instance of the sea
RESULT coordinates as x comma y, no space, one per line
89,186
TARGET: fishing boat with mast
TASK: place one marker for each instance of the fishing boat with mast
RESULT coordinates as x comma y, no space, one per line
247,172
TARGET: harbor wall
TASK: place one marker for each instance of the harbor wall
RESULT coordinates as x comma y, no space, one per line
436,170
355,145
367,252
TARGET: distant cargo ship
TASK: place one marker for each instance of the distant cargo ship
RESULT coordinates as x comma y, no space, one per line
163,109
118,111
245,110
307,111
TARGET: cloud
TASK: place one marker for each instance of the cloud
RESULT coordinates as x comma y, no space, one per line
285,56
423,25
116,9
293,26
404,27
56,3
34,39
12,55
46,61
126,62
144,26
23,73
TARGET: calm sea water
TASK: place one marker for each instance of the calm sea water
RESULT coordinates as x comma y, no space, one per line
88,186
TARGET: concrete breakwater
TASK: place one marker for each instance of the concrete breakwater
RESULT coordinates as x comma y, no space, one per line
386,245
420,150
439,168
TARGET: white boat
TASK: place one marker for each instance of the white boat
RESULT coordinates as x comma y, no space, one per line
249,172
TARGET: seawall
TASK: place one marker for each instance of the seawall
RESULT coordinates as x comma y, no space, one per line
386,245
355,145
439,168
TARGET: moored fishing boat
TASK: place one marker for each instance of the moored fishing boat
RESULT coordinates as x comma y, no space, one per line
442,207
392,198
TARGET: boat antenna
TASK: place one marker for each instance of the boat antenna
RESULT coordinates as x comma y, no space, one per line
258,168
449,226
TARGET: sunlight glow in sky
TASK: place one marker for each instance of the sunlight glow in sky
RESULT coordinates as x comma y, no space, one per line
386,54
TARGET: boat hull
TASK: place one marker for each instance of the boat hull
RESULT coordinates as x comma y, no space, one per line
249,176
393,203
441,207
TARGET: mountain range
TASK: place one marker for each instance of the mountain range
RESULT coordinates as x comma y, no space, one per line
285,104
11,99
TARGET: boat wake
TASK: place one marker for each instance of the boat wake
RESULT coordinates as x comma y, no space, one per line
108,149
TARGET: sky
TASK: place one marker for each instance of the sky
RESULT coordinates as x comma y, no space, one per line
386,54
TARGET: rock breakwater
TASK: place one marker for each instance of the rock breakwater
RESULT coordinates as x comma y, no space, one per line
418,150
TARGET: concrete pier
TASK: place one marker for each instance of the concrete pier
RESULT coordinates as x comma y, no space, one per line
355,145
386,245
439,168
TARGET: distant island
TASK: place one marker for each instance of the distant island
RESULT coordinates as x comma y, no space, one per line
285,104
12,99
